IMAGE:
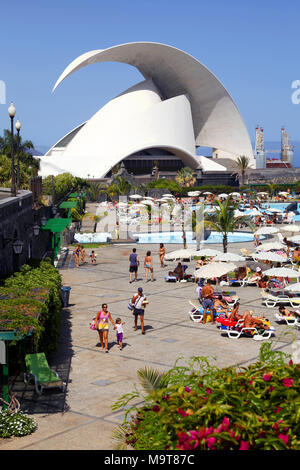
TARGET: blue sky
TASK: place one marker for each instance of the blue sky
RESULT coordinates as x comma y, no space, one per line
252,47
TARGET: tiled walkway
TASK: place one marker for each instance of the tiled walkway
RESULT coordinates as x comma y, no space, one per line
82,417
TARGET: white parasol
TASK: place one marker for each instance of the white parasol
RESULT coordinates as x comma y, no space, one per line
207,192
282,272
273,209
223,195
211,270
235,194
135,196
291,228
253,212
266,231
229,257
269,256
293,287
207,252
180,254
295,239
270,246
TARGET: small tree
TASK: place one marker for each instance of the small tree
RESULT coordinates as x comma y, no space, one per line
242,164
224,222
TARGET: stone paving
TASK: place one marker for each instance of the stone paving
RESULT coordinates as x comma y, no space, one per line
82,418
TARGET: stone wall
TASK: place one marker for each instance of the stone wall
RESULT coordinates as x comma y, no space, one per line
17,219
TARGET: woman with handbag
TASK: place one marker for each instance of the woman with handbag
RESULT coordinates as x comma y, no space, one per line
102,318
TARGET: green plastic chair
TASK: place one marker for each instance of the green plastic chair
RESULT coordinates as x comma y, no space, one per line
39,369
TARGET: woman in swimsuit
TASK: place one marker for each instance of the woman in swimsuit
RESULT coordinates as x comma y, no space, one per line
148,265
102,318
162,252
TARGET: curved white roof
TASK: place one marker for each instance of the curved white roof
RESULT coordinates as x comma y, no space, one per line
216,119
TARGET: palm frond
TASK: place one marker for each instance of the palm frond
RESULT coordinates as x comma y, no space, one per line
119,437
151,379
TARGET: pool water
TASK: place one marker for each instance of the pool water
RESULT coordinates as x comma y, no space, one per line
176,237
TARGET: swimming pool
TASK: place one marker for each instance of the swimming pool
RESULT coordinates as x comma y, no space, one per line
176,237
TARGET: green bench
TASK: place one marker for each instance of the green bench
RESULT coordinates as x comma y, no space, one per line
44,377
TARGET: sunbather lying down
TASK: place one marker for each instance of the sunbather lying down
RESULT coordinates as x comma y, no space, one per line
287,313
249,320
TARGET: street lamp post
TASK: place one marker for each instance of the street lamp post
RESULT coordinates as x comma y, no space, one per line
12,112
18,128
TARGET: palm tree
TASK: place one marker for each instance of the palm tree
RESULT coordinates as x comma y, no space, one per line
242,164
224,222
185,176
24,148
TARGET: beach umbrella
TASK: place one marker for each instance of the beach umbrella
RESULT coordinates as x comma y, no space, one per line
293,287
238,213
207,192
149,197
193,193
229,257
273,209
295,239
282,272
235,194
266,231
284,193
179,254
253,212
269,256
223,195
207,252
270,246
135,196
211,270
168,195
262,193
291,228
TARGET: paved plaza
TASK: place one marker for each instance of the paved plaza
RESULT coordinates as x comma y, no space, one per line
82,417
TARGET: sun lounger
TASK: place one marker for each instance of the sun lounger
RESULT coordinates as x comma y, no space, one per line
271,300
291,321
196,313
238,330
44,377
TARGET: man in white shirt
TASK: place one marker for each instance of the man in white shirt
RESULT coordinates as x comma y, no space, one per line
138,302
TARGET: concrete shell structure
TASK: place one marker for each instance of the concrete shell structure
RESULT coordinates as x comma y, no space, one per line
179,105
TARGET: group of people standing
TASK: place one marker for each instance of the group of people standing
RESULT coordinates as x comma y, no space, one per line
134,263
80,254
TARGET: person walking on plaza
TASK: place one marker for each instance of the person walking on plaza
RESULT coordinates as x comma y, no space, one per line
102,318
148,265
77,254
134,264
207,293
82,253
139,303
119,327
162,252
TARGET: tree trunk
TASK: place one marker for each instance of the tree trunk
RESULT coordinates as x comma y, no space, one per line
225,243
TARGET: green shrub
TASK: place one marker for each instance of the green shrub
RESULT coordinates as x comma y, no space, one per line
201,407
15,424
33,301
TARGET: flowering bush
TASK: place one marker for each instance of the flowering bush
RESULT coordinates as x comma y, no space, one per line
254,408
15,424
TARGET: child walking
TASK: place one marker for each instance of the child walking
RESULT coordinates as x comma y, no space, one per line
119,327
93,257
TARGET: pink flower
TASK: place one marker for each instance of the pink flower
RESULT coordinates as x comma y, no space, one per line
187,389
290,362
244,445
267,377
210,442
284,438
156,408
208,390
271,389
181,412
287,382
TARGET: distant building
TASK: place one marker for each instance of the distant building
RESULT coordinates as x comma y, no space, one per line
179,106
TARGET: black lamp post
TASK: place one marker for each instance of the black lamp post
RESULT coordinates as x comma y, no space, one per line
18,128
12,112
